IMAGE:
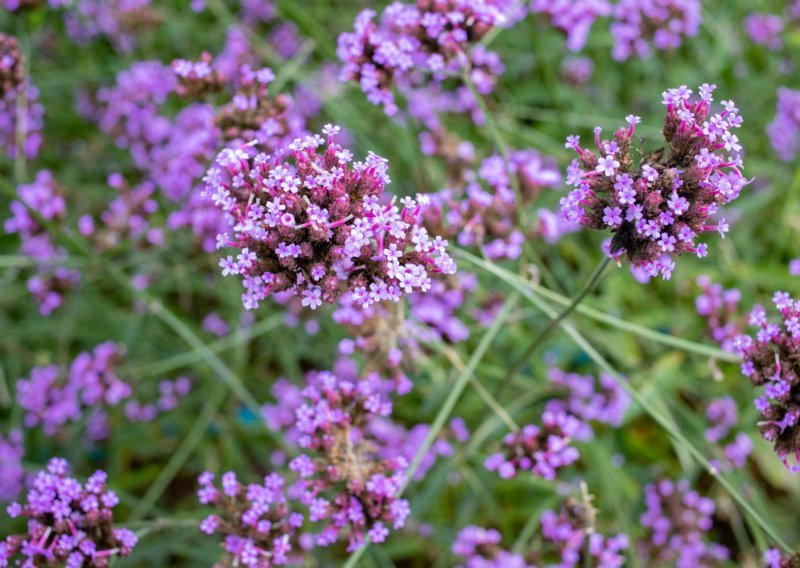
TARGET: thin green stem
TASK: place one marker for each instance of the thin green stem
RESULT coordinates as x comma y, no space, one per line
448,405
182,454
497,137
591,283
638,330
191,357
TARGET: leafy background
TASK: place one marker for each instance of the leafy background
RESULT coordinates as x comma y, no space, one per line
154,466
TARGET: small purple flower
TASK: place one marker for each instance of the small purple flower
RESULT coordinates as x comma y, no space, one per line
69,524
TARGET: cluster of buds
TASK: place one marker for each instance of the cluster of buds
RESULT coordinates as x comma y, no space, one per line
389,341
197,79
314,226
12,66
772,361
412,42
662,23
720,308
342,480
53,398
253,114
657,209
257,521
69,523
486,214
383,337
18,133
540,450
678,520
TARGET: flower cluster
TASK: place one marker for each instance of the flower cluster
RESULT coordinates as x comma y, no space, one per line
774,559
170,394
342,480
481,549
69,523
677,519
51,280
784,130
119,21
574,17
772,361
259,525
18,134
765,29
568,540
571,534
314,225
12,474
657,209
540,450
597,400
413,42
662,23
252,114
486,217
127,217
53,398
720,308
723,415
197,79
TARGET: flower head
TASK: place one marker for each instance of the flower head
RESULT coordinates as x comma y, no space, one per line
657,208
342,236
69,523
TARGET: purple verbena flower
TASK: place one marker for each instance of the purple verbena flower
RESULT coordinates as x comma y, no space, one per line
640,25
315,225
69,523
771,359
539,450
574,17
257,522
52,397
720,308
677,520
12,474
483,207
666,200
784,130
765,29
412,43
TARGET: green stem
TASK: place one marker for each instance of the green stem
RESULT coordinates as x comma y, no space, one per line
184,451
638,330
590,284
